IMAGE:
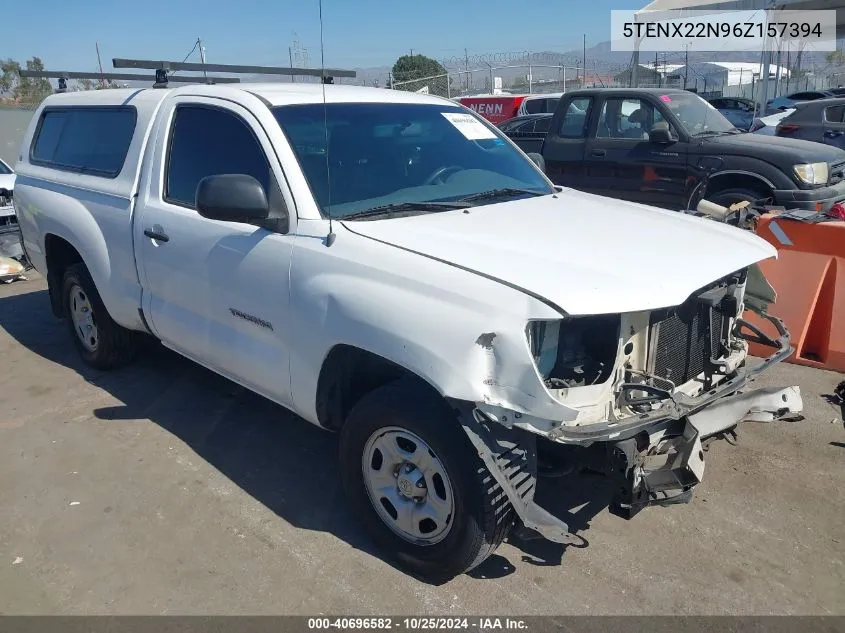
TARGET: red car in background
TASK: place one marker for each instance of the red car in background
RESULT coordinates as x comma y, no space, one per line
494,108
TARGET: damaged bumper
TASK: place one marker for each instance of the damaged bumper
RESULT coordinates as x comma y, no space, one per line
666,473
675,406
656,457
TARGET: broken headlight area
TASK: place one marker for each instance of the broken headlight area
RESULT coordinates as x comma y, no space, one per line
689,344
575,352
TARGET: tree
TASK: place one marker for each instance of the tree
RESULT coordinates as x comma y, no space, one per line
519,83
9,76
410,68
31,89
836,57
23,89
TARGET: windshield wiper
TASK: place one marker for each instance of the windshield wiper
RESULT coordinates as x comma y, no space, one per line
387,209
506,192
709,133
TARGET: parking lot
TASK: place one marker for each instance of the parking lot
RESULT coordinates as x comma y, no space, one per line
163,489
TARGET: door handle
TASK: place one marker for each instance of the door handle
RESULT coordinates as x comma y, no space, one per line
598,152
158,236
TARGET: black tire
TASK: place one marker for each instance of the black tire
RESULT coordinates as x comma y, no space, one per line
482,515
116,345
727,197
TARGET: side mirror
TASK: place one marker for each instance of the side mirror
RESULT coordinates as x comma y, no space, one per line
232,198
538,160
660,133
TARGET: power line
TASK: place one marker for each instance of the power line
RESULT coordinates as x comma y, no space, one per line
191,52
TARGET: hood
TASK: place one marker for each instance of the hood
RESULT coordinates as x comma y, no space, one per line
792,149
585,253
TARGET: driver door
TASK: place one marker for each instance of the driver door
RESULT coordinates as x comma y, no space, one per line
622,162
215,291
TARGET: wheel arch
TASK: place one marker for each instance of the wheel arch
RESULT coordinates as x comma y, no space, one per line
739,179
59,255
348,373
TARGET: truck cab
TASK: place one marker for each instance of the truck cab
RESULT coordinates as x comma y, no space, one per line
657,146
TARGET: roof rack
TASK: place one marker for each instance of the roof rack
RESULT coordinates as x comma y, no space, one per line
64,75
163,67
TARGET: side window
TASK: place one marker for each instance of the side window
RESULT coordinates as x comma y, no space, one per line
551,104
574,124
534,106
626,119
87,140
510,126
527,126
207,141
833,114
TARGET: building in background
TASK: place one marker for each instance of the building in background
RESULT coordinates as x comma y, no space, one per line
728,73
659,74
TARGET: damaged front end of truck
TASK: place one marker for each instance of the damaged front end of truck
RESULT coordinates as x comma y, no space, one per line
644,393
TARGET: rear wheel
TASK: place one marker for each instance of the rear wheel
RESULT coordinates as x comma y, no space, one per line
101,342
418,486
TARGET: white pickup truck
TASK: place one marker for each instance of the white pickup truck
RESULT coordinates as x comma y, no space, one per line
389,266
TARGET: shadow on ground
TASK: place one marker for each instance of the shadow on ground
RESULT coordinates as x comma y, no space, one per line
279,459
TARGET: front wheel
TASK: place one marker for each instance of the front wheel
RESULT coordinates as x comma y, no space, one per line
727,197
100,341
418,486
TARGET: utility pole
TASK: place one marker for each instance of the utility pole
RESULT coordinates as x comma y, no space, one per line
788,51
100,62
202,58
686,66
290,56
656,72
584,79
466,68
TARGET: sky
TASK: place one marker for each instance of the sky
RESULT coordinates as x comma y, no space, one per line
356,33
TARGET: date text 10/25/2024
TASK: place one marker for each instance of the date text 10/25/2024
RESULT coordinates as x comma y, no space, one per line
418,623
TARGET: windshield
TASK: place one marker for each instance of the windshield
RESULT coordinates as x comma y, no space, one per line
4,169
382,154
696,115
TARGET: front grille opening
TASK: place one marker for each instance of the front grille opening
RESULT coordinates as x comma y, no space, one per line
837,173
586,351
687,338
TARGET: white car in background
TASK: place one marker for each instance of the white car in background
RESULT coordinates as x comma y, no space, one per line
10,245
540,103
7,179
767,124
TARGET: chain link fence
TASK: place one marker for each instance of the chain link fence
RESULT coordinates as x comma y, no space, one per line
512,78
750,88
741,84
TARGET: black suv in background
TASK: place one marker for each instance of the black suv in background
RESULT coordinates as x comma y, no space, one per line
822,121
655,146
